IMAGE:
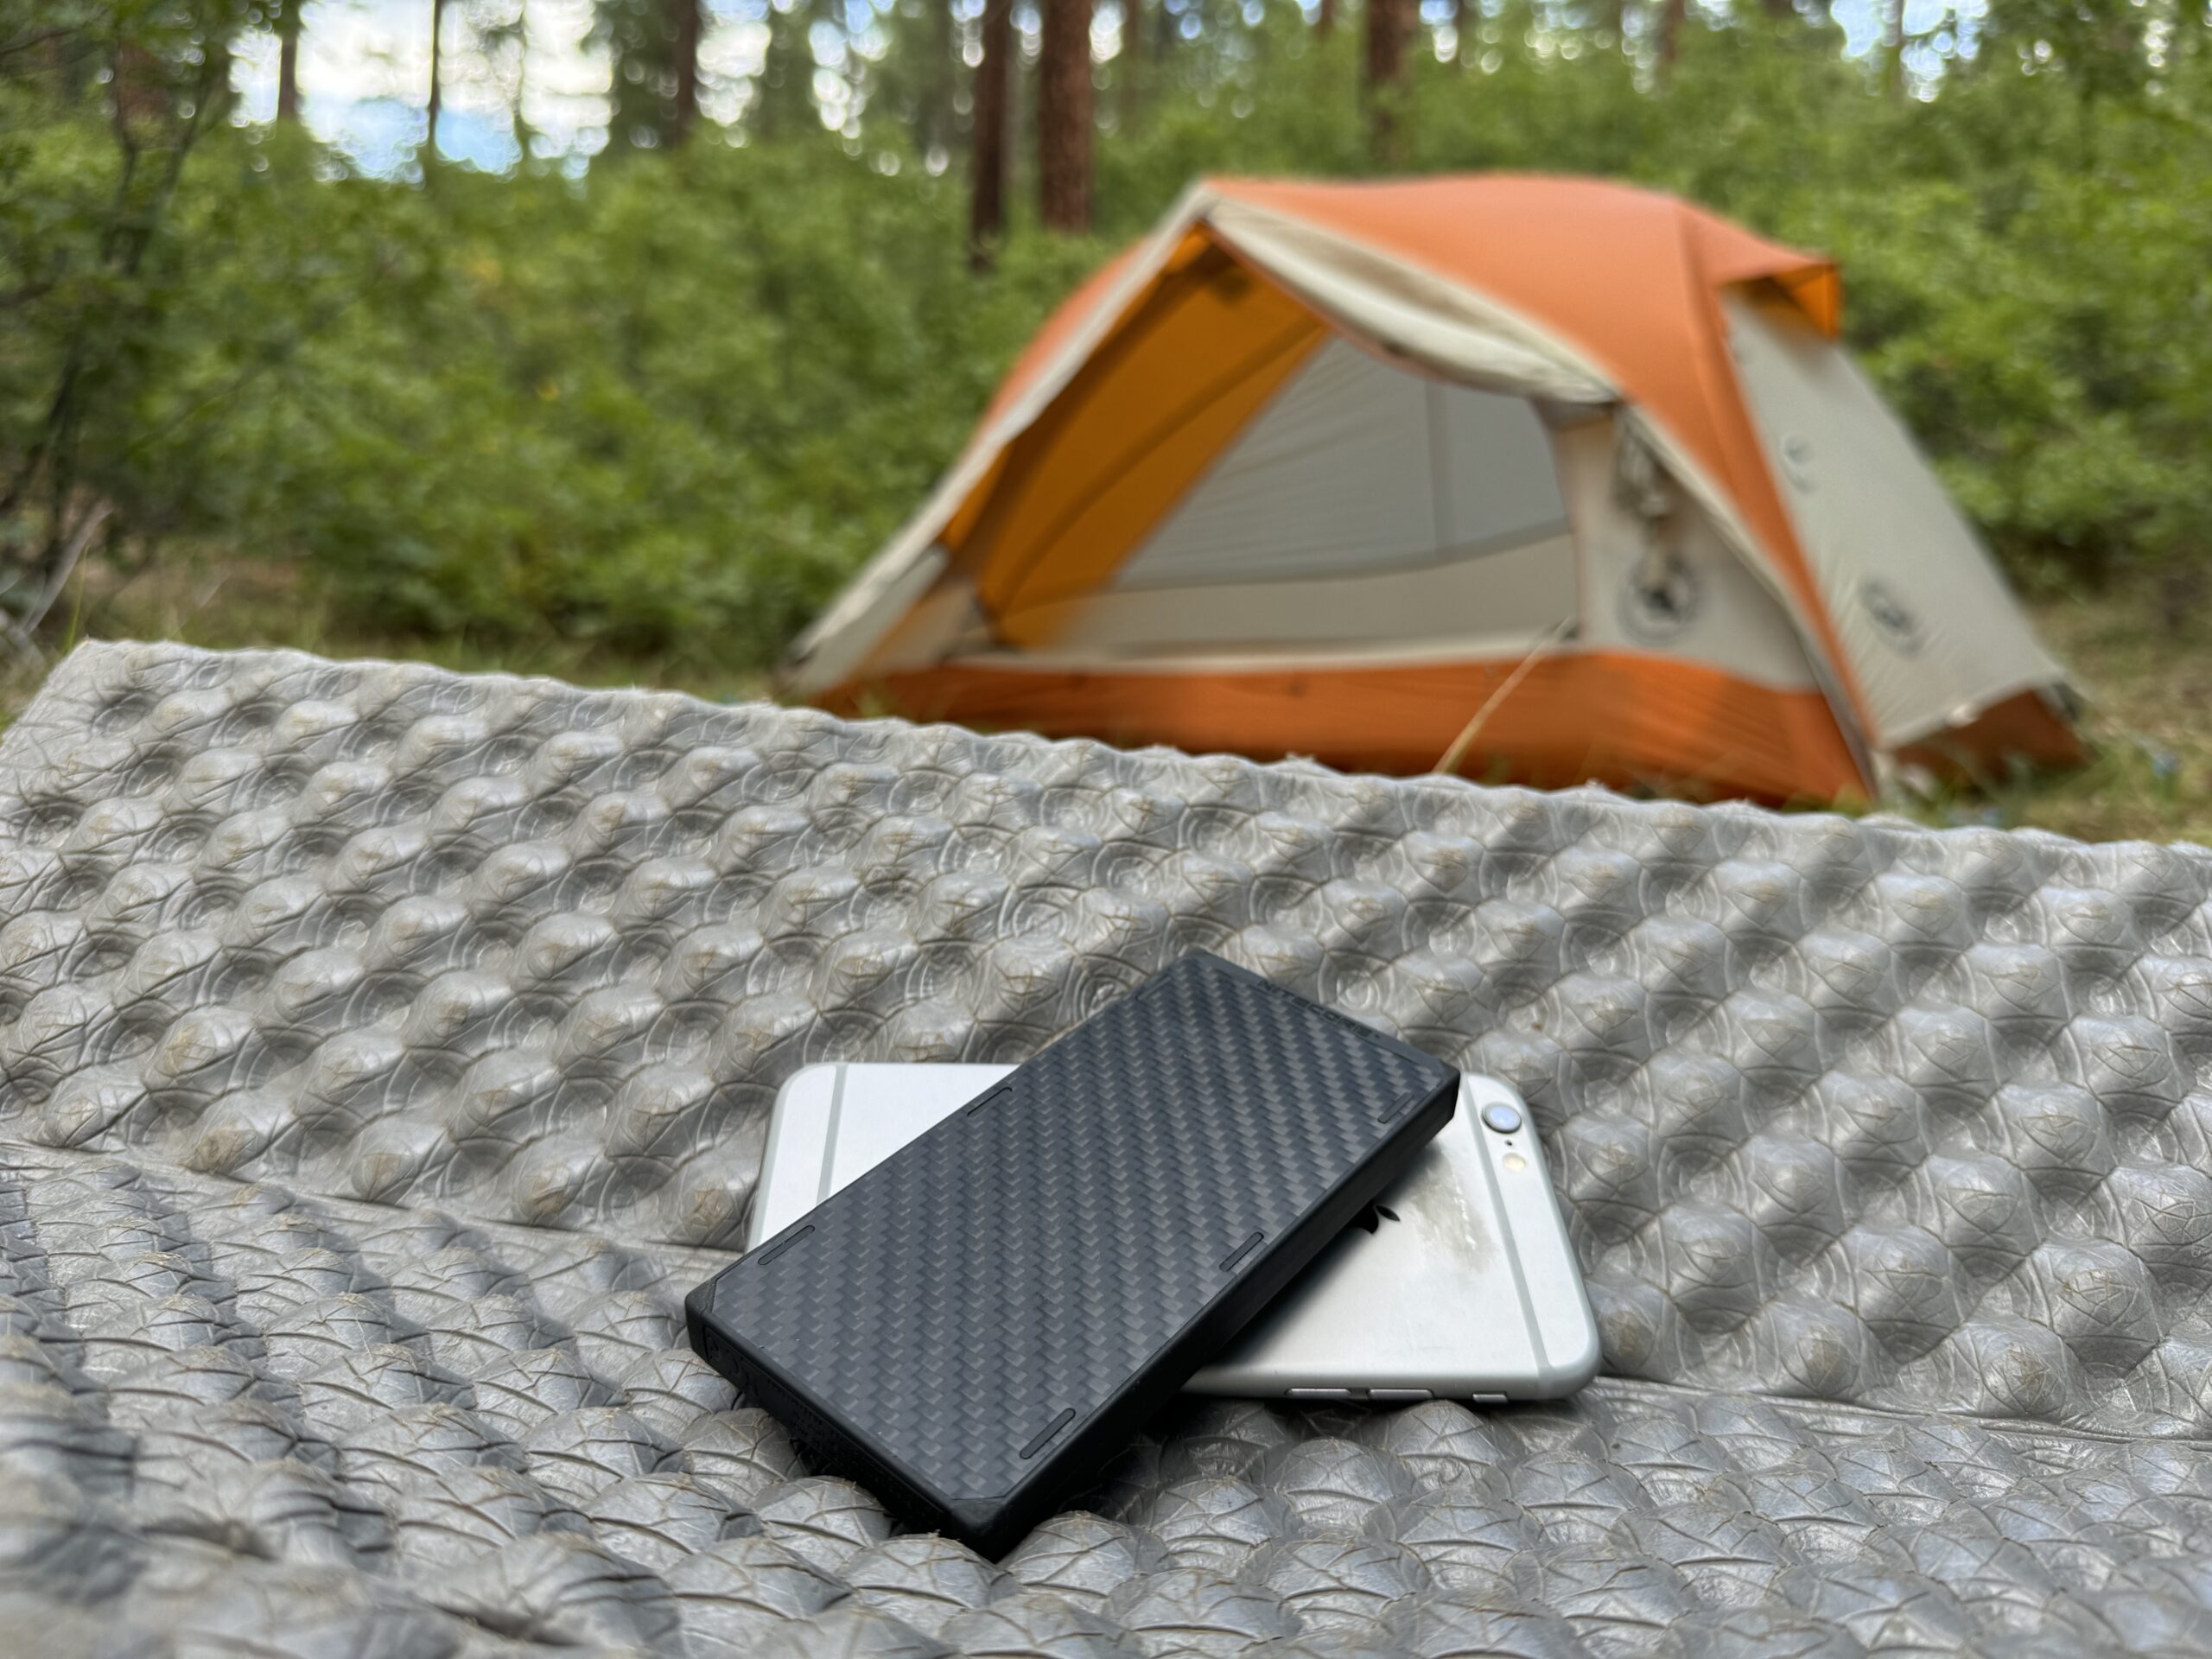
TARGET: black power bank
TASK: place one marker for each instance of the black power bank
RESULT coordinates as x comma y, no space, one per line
973,1327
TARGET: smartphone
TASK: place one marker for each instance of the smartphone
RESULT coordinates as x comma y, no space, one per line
975,1324
1459,1283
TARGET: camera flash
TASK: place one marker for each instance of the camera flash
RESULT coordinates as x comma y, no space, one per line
1515,1163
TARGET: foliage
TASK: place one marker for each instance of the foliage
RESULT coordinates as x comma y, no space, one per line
90,283
668,404
674,403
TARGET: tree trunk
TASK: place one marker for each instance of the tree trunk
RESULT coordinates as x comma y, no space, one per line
288,61
1389,25
1324,21
939,127
140,89
1893,49
686,30
1125,63
437,78
1459,53
519,113
1386,44
987,213
1671,14
1064,117
781,90
1782,11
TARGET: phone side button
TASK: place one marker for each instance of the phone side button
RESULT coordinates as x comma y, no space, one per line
1317,1394
1487,1399
1398,1396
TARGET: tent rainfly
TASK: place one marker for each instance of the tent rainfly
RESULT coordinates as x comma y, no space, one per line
1343,470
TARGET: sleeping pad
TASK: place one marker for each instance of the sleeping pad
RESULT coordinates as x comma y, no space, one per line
384,1052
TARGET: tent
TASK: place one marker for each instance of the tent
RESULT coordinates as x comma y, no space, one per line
1352,470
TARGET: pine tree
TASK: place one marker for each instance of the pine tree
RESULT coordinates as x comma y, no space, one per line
686,26
1064,117
288,61
1389,27
987,213
437,81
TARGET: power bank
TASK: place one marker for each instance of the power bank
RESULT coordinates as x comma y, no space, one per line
975,1325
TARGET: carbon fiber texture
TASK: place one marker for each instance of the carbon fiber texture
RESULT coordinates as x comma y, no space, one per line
973,1306
383,1053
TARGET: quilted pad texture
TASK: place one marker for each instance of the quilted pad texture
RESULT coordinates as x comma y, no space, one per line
384,1053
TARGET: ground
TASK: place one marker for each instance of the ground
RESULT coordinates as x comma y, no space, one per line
2149,681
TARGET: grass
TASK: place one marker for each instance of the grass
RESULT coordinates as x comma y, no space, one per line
2148,677
231,605
2149,681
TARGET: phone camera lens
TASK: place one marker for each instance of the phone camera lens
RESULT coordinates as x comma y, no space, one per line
1501,1117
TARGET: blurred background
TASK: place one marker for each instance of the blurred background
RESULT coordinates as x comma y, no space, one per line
606,337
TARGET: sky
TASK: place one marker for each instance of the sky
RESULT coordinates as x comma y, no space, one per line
364,78
365,72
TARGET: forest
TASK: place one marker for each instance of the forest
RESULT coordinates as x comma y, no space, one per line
633,401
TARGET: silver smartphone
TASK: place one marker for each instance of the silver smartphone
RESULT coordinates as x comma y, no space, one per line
1459,1283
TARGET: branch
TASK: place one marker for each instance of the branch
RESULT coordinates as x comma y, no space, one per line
16,298
264,364
28,43
22,631
67,565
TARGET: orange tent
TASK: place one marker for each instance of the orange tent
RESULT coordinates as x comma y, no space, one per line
1346,469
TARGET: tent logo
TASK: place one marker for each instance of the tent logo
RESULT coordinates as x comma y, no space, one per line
1896,622
1660,601
1797,460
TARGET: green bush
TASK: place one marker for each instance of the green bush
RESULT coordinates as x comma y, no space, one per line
667,406
667,409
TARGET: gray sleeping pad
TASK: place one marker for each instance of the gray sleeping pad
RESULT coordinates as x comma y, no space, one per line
383,1054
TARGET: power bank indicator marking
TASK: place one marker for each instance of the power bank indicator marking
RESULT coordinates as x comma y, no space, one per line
797,1237
1241,1251
1046,1433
